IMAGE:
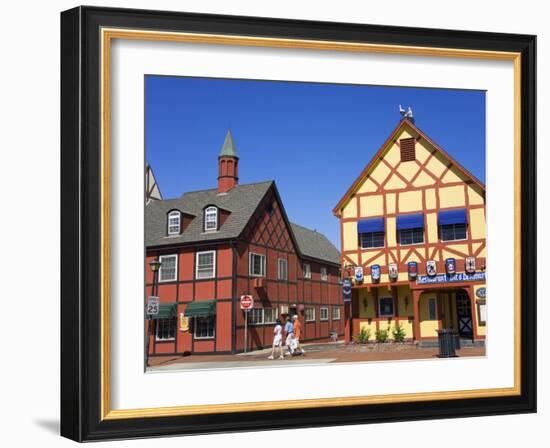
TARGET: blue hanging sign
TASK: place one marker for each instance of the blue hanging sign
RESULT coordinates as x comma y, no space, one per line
448,278
431,268
470,265
450,266
393,271
346,289
481,293
375,272
359,274
412,268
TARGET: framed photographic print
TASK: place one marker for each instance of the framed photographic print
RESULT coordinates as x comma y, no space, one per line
273,223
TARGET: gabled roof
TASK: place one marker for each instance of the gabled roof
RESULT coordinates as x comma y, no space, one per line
241,202
379,154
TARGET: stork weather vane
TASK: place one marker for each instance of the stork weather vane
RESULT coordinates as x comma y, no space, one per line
406,113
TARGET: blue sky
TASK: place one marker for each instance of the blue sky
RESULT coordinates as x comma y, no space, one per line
312,139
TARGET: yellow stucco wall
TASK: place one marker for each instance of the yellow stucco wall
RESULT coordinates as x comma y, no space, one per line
350,209
350,236
452,196
410,201
477,223
428,328
372,205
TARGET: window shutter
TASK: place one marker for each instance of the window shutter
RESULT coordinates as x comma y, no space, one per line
407,146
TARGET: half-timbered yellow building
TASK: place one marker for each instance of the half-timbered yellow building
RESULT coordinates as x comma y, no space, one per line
413,242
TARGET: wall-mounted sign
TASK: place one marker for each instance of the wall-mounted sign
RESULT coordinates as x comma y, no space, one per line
184,322
247,302
470,265
153,305
481,293
412,268
358,274
346,289
375,272
392,271
431,268
447,278
450,266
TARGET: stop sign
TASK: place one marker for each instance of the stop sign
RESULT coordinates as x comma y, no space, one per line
247,302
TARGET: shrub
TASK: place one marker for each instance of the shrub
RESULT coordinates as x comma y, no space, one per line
399,333
363,336
381,335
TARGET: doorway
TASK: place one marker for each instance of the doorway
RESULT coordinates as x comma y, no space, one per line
464,314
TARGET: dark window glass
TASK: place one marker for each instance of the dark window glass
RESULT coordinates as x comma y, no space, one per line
451,232
386,306
411,236
165,329
204,327
372,239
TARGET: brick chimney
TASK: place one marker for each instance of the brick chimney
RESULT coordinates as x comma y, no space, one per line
228,165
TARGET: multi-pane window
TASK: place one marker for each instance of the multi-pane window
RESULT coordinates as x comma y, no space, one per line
371,239
411,236
451,232
168,268
270,315
256,316
211,219
324,274
323,313
432,309
205,327
282,273
206,264
165,329
335,313
174,222
307,270
310,314
257,265
385,307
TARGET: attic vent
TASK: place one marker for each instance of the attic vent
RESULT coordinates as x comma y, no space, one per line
407,149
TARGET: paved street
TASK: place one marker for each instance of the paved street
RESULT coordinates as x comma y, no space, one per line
315,354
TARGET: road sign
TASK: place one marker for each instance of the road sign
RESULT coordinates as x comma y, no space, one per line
153,305
247,302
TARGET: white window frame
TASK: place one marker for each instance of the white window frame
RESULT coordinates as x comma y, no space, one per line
373,246
251,265
392,306
211,211
157,338
197,254
161,258
336,308
324,274
412,244
285,263
174,214
195,328
434,300
274,316
312,319
306,272
260,314
321,318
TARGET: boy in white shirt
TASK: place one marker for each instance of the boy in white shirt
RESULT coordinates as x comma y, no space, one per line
277,340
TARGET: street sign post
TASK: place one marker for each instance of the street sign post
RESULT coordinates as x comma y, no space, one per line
153,306
247,303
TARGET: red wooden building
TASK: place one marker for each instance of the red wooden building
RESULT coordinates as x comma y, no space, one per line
216,245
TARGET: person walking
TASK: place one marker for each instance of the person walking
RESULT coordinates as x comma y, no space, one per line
277,340
297,325
289,331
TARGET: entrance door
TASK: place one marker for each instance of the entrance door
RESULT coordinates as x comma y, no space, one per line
464,314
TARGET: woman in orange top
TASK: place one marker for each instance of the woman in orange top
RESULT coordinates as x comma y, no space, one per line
297,333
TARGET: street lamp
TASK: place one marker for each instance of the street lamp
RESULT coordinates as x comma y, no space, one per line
154,264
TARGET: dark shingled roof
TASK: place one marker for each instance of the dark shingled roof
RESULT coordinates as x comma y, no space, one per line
241,201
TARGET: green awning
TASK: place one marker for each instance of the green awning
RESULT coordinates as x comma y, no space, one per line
201,308
166,311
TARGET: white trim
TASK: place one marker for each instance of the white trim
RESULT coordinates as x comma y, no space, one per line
174,213
197,264
393,307
324,276
250,273
321,314
308,276
279,269
335,308
206,210
305,314
175,271
204,337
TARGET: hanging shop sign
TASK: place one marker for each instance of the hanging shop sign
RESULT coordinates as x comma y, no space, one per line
346,289
392,271
450,266
481,293
359,274
412,268
431,268
375,272
184,322
450,278
470,265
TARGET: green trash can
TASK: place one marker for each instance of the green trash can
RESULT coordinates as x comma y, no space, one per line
447,343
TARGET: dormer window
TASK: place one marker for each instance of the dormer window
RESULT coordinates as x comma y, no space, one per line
174,222
211,219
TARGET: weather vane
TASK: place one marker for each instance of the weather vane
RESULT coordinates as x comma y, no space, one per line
406,113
